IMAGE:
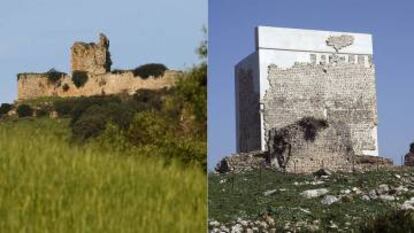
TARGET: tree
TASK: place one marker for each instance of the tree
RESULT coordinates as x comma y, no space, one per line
5,108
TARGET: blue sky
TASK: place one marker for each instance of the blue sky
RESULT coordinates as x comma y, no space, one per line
36,35
231,38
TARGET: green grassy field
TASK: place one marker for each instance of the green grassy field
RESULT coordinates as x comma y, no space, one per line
50,185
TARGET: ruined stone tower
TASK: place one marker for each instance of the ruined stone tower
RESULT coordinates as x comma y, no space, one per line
297,73
91,57
90,62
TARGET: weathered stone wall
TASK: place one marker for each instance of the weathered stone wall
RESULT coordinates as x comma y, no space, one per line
293,150
92,60
91,57
33,85
339,91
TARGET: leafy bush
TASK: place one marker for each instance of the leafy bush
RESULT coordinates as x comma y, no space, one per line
75,106
89,125
93,120
203,47
24,110
412,147
119,71
65,87
5,108
53,75
152,129
192,91
148,128
41,112
63,107
81,104
146,99
396,222
79,78
151,69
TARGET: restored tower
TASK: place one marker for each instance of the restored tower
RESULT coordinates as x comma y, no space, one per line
296,73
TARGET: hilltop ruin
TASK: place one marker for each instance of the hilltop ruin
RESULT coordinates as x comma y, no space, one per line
90,75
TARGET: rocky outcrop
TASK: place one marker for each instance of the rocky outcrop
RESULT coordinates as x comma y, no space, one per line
242,162
367,162
312,193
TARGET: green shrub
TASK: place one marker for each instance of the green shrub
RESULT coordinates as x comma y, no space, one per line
119,71
75,106
5,108
192,91
152,69
24,110
81,104
145,99
148,128
153,129
79,78
89,125
65,87
53,75
400,221
202,49
41,112
93,120
64,106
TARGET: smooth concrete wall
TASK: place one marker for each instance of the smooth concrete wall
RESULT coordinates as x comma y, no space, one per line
309,40
247,92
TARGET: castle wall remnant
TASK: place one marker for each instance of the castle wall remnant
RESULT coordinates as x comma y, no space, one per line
296,73
91,57
342,93
92,61
310,144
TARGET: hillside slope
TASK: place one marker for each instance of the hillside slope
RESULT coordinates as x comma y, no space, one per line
269,201
50,185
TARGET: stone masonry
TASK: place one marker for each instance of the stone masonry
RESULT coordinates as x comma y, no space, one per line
92,59
311,144
336,92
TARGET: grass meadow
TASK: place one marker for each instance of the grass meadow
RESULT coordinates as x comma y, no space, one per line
241,195
48,184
